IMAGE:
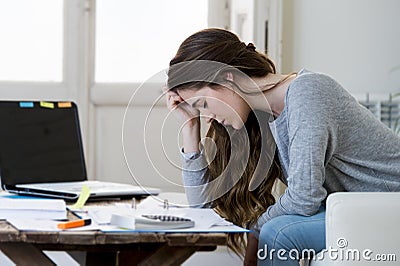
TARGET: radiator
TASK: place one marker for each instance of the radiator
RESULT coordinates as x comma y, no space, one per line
388,112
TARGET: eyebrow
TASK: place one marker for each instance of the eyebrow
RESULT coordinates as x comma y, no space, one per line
195,102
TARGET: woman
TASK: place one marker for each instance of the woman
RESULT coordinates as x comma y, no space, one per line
325,142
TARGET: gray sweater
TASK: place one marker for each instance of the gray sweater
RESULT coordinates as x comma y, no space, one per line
327,142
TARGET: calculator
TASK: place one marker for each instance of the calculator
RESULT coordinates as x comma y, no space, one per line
163,221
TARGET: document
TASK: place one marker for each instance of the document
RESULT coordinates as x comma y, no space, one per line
205,220
39,214
44,225
50,209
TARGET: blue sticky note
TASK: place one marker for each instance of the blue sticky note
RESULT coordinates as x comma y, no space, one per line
26,104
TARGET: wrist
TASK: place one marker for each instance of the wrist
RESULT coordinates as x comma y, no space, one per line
191,137
191,127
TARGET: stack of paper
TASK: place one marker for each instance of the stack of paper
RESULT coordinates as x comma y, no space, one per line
49,209
205,220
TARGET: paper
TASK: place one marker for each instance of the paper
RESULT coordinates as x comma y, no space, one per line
32,208
174,200
102,214
64,105
45,225
26,104
47,105
83,197
206,220
34,225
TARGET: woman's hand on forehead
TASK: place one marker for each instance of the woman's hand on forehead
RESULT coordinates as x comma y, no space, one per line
181,109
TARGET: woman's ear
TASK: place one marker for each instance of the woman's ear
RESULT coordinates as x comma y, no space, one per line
229,76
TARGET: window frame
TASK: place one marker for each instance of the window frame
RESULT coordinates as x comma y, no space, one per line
50,90
74,80
119,93
78,70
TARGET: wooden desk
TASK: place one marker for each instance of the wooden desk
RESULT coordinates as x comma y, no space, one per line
25,248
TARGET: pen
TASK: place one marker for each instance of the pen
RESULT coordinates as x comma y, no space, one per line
75,213
73,224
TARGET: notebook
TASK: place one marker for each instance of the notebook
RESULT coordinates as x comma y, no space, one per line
41,153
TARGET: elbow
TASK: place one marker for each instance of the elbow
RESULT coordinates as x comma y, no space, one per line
196,201
200,206
308,210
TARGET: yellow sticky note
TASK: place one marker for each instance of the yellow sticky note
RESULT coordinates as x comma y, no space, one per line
64,105
83,197
47,105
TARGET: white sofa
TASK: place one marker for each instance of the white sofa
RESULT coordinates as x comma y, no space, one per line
362,228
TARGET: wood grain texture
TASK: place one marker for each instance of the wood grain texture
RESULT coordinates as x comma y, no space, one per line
114,248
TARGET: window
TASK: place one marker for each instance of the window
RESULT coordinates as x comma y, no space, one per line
31,46
137,39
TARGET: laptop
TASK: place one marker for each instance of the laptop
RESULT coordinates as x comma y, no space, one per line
41,154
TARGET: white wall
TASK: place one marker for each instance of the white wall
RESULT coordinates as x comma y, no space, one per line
242,19
356,41
147,154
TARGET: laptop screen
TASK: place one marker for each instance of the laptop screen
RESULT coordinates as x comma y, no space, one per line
40,142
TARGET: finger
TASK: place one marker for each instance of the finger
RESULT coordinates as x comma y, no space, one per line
208,119
172,93
178,99
172,98
170,101
173,103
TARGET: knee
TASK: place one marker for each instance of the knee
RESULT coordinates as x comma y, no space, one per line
274,234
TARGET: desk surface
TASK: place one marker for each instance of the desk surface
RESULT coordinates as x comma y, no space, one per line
25,248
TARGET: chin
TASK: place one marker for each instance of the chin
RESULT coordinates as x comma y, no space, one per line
238,126
239,123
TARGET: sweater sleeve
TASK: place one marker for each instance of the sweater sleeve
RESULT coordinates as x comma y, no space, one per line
194,167
312,134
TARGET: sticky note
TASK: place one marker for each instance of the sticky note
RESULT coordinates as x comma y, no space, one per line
47,105
64,105
83,197
26,104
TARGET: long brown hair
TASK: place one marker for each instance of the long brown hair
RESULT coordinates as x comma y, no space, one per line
240,205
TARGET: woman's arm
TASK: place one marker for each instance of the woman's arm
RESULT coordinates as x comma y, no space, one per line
194,167
194,164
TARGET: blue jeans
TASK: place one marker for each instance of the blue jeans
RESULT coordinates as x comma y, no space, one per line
286,239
